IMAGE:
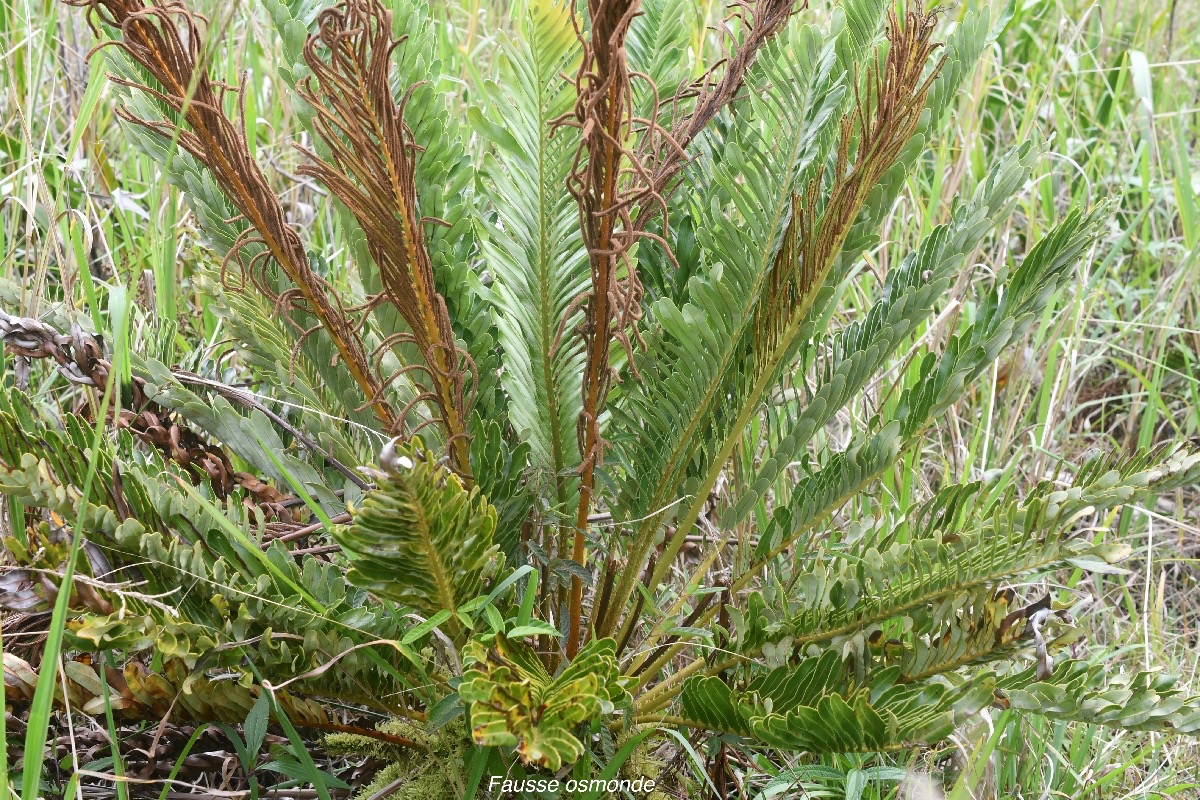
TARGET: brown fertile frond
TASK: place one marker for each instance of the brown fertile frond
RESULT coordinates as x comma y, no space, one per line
604,113
165,38
371,168
665,156
886,113
787,273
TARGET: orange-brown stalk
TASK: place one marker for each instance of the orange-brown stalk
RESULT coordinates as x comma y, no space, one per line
603,112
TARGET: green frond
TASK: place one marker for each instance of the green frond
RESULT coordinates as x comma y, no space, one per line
815,707
1075,690
299,384
140,693
941,380
222,595
514,702
956,544
856,353
421,538
962,49
694,351
500,475
27,438
300,612
1000,321
961,631
533,248
816,496
292,20
780,272
858,25
251,436
657,45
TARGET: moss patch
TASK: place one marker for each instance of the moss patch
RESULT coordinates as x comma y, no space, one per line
427,768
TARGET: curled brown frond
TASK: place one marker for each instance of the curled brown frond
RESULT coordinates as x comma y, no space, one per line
371,167
79,357
665,155
885,117
166,39
604,113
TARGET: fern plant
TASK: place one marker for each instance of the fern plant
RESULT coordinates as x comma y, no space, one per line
590,310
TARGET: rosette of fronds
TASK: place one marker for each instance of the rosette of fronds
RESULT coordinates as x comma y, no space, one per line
622,331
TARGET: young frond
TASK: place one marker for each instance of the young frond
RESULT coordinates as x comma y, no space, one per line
421,522
533,248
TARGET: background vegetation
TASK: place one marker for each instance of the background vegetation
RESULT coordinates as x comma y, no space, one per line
1113,367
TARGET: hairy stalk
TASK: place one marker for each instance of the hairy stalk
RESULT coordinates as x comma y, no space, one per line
603,113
